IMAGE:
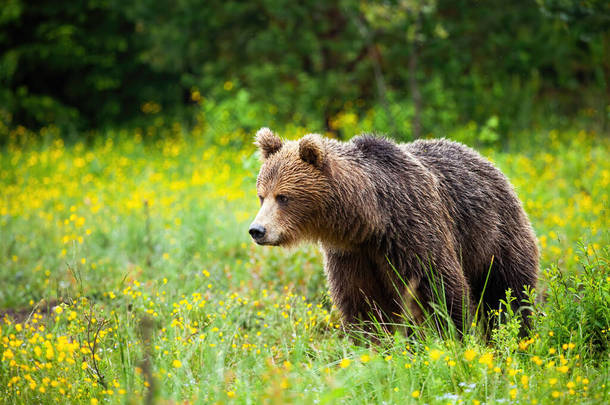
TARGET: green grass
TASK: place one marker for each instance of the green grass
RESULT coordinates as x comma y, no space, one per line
127,275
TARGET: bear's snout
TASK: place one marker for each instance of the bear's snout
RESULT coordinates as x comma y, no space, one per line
257,232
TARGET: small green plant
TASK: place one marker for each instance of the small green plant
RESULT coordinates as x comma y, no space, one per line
505,334
578,307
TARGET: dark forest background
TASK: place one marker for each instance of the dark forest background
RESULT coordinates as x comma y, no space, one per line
416,67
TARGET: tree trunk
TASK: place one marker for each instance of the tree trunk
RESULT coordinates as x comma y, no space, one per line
413,85
381,89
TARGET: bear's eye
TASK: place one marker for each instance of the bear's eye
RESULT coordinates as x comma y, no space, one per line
281,199
261,199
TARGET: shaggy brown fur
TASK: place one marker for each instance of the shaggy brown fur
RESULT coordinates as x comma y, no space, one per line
397,222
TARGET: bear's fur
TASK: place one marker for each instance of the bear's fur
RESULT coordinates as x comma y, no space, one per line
399,224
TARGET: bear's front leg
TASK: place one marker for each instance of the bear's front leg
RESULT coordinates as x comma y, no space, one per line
357,288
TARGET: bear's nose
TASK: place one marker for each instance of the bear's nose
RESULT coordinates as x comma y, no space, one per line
257,231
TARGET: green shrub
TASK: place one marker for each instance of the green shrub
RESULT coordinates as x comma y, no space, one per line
577,304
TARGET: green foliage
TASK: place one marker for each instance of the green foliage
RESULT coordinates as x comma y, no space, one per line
579,310
505,335
96,63
73,63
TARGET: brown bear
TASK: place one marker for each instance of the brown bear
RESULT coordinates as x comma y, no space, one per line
400,225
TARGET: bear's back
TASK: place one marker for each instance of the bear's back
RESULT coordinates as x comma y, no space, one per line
485,209
442,155
460,169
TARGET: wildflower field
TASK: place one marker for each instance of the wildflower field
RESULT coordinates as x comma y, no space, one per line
127,276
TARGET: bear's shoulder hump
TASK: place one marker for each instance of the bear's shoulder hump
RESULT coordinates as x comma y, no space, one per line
377,147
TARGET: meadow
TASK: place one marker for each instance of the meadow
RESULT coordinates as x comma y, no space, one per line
127,276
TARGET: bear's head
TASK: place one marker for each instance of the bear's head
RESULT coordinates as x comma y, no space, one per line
293,188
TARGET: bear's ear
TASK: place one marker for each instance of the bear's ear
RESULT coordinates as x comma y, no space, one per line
267,142
311,150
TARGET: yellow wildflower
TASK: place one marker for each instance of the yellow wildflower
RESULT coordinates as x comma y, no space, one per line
345,363
513,393
487,359
470,354
435,354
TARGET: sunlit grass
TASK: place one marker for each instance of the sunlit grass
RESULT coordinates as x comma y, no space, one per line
126,269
